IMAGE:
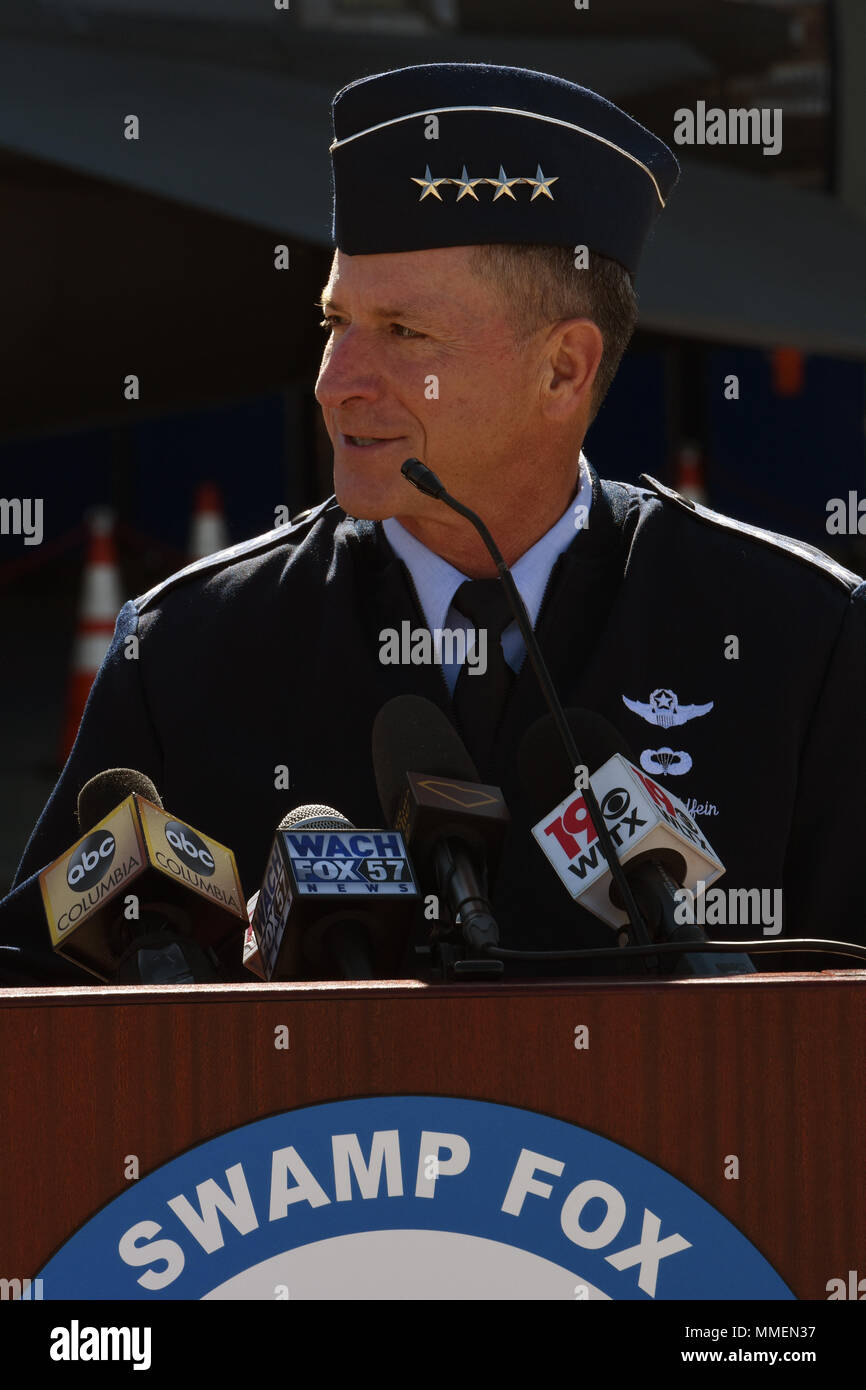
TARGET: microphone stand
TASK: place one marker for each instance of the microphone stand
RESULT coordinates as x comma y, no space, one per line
426,481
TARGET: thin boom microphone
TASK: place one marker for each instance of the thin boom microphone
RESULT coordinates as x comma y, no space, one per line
425,480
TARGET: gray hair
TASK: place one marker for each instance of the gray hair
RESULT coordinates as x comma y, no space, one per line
541,285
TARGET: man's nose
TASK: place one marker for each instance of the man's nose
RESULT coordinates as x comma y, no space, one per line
348,369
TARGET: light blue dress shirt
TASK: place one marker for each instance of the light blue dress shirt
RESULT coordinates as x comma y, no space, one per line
436,582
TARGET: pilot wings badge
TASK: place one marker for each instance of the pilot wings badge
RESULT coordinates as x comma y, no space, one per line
665,710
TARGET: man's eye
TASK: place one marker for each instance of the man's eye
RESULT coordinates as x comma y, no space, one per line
331,319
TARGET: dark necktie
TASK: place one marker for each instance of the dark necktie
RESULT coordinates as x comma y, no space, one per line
479,699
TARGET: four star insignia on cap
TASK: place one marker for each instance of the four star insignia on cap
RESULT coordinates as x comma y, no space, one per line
430,185
542,185
466,185
502,184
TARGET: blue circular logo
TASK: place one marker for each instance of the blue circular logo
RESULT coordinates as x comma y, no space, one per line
411,1197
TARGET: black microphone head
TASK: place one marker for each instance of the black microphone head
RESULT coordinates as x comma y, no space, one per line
107,789
542,761
422,477
315,818
411,734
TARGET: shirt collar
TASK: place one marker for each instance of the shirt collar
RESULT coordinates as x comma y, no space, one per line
436,581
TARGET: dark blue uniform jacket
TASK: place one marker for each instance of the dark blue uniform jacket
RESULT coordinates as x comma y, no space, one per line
267,654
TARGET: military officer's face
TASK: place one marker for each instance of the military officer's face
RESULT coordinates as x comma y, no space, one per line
420,354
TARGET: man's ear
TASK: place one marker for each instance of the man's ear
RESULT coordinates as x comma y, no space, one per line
574,352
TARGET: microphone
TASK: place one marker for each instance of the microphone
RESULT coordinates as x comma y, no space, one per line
454,825
156,953
426,481
141,897
662,847
336,902
250,955
104,792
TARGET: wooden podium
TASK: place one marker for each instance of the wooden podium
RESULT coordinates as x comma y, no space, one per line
767,1069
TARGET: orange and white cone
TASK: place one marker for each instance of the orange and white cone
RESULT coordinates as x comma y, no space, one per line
101,600
208,531
690,474
789,371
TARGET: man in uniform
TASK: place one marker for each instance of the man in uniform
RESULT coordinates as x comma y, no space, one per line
488,223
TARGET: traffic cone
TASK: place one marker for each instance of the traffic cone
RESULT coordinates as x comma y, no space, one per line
101,600
690,474
789,371
208,531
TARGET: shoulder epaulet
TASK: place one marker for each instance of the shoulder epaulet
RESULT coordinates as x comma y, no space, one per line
278,536
801,550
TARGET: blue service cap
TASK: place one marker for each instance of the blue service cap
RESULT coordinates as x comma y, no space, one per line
456,154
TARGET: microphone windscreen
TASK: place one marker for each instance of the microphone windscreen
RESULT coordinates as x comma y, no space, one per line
542,761
411,734
107,789
314,818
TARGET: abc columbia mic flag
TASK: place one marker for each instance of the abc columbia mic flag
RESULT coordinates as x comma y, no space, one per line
142,850
644,820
